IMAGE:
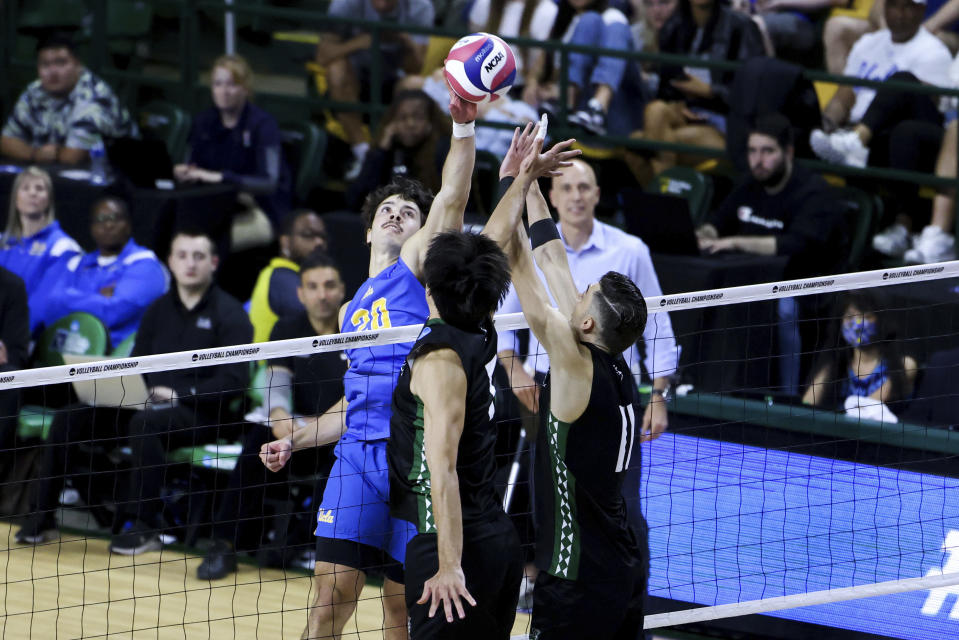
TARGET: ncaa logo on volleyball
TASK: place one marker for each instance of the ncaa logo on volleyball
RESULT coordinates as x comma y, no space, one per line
480,68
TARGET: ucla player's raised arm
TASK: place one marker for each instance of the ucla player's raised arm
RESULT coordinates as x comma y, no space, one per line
342,314
446,213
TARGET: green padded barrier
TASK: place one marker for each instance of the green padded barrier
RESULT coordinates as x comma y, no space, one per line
169,123
304,145
725,408
125,348
693,186
221,456
34,422
78,333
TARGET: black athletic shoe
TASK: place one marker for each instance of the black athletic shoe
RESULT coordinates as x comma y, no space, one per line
38,528
134,539
220,561
592,118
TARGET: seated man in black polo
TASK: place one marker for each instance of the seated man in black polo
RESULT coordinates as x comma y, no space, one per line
186,407
780,209
305,385
195,314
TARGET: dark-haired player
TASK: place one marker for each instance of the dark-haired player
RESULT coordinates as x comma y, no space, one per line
442,439
592,575
355,533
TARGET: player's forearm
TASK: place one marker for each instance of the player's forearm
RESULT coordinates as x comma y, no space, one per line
529,288
508,212
322,430
551,256
448,516
457,175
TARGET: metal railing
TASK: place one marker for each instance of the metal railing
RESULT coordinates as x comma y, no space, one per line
189,85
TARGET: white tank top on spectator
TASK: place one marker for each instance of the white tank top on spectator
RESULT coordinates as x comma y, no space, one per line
876,57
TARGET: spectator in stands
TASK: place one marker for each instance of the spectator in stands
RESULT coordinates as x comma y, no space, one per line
792,25
14,342
647,20
413,141
862,358
185,406
888,128
190,407
33,239
512,18
115,283
305,385
275,293
451,14
237,142
65,112
934,402
346,52
604,92
780,209
937,242
844,26
693,102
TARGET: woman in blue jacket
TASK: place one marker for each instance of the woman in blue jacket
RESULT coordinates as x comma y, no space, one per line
33,240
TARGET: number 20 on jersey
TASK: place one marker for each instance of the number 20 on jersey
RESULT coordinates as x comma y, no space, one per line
378,317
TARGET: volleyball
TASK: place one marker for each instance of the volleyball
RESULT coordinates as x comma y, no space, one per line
480,68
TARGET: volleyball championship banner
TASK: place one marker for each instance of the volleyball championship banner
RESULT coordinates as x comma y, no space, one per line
394,335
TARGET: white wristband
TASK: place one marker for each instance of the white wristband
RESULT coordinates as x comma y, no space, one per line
467,130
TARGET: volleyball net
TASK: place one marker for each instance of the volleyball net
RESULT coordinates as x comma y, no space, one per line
770,509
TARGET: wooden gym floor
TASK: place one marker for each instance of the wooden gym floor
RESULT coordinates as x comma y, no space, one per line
75,588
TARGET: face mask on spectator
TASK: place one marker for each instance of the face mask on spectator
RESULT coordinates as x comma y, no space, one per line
859,332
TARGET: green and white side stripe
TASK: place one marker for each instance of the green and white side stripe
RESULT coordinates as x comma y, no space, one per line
566,539
420,475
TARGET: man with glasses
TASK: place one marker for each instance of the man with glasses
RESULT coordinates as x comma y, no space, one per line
274,295
116,283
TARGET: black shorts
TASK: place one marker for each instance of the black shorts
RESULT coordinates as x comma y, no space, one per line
493,565
366,558
608,610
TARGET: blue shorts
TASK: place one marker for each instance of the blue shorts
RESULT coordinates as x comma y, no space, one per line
356,502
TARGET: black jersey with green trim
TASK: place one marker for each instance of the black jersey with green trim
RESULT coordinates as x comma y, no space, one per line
410,497
582,532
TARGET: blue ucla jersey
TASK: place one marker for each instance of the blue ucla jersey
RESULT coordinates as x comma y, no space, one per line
392,298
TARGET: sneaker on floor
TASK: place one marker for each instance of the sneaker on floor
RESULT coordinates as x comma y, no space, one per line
892,241
592,118
220,561
37,529
932,245
525,600
134,539
839,147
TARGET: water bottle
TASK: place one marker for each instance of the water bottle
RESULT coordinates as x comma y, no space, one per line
98,163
